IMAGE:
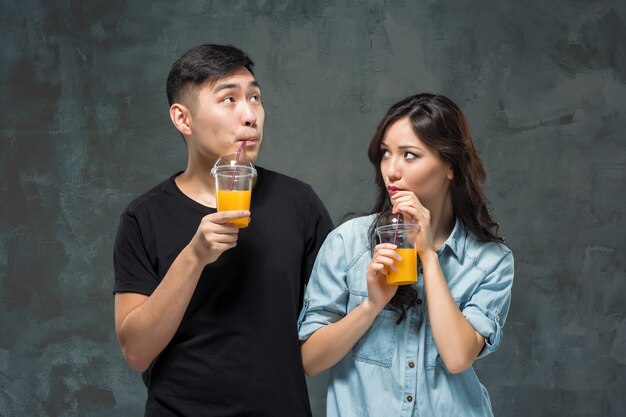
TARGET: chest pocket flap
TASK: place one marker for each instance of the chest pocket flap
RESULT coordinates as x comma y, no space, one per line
378,344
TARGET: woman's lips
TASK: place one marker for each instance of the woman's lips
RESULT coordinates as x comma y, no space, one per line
392,190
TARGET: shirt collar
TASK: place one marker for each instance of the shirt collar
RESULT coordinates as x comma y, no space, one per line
456,241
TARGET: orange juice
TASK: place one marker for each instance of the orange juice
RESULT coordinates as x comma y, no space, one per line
407,268
234,200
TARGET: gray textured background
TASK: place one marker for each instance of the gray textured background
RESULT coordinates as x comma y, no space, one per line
84,128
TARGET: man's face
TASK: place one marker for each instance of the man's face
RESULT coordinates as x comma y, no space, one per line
227,112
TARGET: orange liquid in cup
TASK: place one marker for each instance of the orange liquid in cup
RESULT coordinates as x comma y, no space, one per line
406,272
234,200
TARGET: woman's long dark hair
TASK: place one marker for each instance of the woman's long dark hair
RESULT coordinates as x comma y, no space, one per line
441,125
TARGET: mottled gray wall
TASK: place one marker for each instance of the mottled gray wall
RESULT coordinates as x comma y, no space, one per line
84,128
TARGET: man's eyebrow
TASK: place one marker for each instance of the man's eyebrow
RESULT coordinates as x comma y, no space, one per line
227,86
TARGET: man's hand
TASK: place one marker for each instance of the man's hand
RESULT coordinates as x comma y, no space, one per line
215,235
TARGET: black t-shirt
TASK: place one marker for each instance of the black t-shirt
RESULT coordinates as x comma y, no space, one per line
236,352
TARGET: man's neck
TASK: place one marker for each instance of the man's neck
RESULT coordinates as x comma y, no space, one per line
197,183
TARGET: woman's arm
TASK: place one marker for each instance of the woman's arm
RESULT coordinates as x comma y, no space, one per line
329,344
457,342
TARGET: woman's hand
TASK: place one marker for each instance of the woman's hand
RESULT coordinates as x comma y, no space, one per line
408,204
379,293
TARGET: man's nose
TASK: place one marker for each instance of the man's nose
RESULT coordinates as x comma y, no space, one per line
249,115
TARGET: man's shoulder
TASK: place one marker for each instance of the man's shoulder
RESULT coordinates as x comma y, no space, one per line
143,201
284,182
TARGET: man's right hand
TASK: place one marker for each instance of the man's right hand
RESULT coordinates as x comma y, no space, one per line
215,235
146,324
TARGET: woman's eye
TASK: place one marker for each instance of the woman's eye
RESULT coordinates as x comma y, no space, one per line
229,100
255,97
410,155
385,153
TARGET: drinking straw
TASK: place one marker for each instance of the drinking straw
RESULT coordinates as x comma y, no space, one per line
232,181
395,231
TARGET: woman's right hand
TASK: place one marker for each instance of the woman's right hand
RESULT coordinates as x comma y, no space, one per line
379,292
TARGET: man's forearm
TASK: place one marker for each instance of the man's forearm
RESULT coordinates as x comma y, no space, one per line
146,326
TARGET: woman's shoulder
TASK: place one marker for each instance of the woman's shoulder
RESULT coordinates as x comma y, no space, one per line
355,228
487,255
350,240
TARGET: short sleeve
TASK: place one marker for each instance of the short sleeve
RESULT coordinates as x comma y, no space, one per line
134,271
326,297
488,306
319,225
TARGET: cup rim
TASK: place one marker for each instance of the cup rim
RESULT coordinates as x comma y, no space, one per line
240,170
392,227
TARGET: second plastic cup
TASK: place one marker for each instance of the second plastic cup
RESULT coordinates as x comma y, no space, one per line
233,183
403,235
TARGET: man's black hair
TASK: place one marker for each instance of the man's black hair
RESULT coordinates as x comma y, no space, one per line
203,63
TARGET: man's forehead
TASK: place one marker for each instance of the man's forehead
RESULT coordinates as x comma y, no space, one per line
239,78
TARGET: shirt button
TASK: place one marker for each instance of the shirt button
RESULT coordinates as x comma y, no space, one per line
419,301
411,364
409,398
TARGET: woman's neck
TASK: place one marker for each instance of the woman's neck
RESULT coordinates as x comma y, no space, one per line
442,221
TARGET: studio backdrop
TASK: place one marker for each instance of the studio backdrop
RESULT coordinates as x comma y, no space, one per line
84,128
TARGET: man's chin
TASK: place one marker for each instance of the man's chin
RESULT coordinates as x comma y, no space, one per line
249,156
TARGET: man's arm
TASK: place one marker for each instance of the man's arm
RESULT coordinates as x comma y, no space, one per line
146,324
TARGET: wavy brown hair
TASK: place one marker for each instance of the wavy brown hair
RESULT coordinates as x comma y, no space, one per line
441,125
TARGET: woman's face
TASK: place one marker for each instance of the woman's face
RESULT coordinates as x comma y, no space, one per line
408,164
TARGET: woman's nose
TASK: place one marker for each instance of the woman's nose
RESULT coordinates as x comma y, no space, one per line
393,171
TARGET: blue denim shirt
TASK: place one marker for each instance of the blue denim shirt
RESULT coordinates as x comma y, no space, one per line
395,370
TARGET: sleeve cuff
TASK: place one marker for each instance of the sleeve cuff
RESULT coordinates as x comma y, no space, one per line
488,327
312,320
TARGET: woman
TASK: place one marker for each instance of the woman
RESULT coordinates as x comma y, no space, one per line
409,350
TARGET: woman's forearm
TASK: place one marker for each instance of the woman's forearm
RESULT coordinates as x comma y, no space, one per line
329,344
457,341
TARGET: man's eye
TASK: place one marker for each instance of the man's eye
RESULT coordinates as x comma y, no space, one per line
228,100
255,97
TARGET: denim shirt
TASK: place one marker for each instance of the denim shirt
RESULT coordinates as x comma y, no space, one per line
395,369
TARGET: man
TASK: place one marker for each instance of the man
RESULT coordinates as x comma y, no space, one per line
208,312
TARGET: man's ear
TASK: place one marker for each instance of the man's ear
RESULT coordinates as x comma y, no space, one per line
181,117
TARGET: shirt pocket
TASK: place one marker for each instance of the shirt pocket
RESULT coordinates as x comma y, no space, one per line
378,344
430,348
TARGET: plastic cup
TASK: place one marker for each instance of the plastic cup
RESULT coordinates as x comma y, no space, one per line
233,184
403,235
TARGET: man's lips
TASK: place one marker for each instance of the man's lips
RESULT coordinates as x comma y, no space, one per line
249,141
